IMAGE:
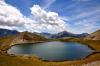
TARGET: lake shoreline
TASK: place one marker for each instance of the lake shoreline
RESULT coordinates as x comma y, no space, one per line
55,43
92,58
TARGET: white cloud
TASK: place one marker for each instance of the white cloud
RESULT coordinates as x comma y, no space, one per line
11,18
87,14
87,25
43,21
85,21
49,20
9,15
48,3
65,18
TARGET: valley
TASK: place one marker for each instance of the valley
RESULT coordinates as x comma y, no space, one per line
25,37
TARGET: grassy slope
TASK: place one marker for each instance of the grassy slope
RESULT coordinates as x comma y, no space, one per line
7,41
94,35
6,60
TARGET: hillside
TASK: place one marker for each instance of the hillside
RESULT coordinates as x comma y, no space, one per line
23,37
94,36
31,36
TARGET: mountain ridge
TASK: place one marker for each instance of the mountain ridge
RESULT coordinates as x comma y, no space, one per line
6,32
94,36
68,34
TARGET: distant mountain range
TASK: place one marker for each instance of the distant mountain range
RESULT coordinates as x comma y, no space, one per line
46,35
6,32
68,34
94,36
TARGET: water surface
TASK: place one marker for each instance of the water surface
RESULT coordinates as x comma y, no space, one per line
53,51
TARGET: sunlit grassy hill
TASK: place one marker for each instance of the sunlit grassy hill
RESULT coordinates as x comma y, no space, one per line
94,36
23,37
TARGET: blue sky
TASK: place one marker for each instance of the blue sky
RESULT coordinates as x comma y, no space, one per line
80,16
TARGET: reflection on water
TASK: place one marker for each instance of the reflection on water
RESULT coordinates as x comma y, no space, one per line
53,51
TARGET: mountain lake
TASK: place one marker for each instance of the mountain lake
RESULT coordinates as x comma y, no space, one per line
52,51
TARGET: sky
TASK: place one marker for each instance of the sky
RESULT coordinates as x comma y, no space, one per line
52,16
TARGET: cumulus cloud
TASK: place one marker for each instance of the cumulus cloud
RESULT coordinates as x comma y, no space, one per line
41,21
49,20
11,18
9,15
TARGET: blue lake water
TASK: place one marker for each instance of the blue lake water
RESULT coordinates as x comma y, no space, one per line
53,51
